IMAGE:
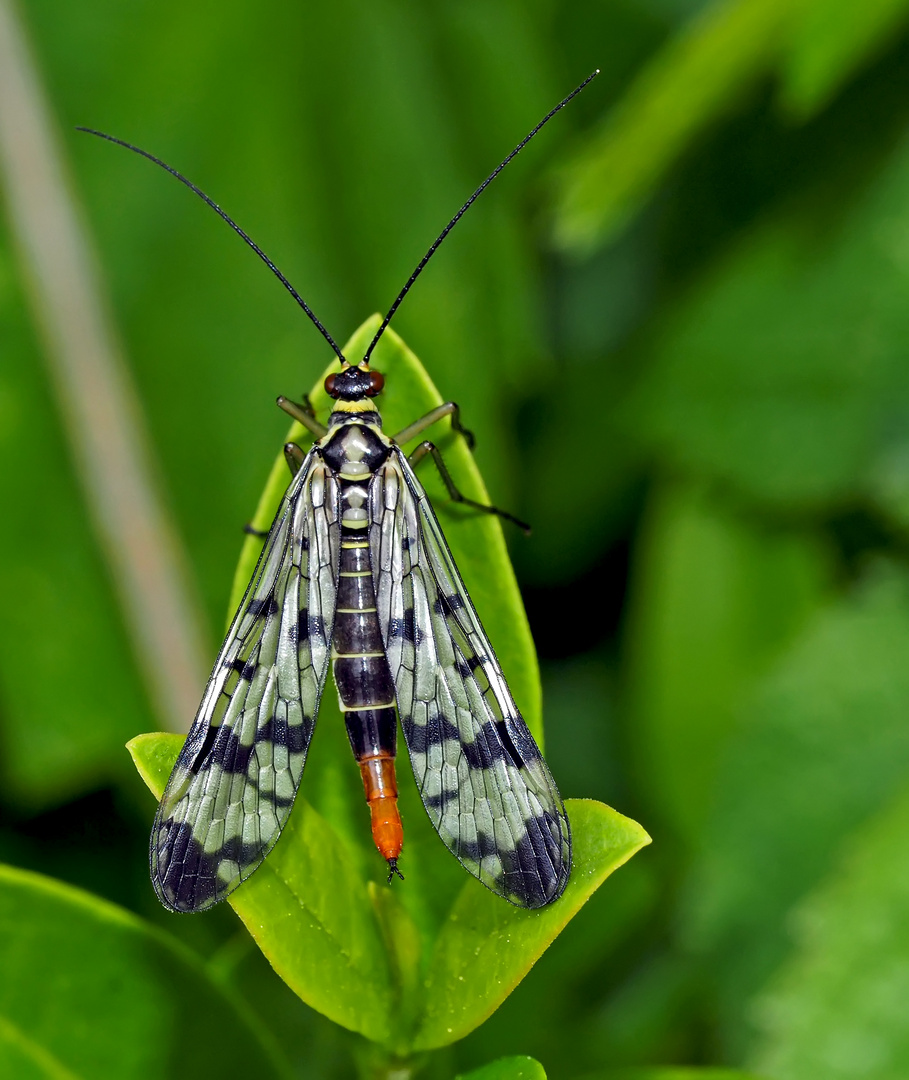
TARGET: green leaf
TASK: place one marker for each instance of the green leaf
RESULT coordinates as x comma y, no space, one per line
822,746
837,1008
716,599
48,630
25,1059
698,75
829,39
90,990
308,909
486,947
328,934
782,375
507,1068
675,1072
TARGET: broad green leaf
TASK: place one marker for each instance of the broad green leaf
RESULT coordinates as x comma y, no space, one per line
509,1068
49,631
562,1012
676,1072
697,76
308,910
782,375
326,933
25,1059
486,947
89,990
823,745
837,1007
828,39
716,598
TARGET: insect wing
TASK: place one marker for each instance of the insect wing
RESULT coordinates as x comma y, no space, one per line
233,785
483,781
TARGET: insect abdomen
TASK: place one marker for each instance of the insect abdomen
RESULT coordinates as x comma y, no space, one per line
366,690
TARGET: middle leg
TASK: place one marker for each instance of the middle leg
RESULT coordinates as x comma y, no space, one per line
429,449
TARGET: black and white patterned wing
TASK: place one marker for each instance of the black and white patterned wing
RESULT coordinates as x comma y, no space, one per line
233,785
482,778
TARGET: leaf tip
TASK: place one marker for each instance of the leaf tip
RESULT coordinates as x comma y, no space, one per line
154,754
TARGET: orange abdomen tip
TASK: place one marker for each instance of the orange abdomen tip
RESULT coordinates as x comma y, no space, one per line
387,830
382,795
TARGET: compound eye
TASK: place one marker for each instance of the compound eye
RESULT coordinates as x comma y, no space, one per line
330,386
376,383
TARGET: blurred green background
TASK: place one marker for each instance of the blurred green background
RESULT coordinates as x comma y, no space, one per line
679,327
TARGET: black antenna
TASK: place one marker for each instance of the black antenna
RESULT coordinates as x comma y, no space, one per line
489,179
271,266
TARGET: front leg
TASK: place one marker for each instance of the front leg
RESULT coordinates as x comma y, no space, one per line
304,414
451,409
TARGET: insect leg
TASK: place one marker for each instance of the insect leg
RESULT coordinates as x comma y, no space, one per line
304,414
294,457
450,408
454,494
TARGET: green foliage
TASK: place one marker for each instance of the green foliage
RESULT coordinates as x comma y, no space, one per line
39,488
791,410
700,77
512,1068
681,1074
686,86
700,400
813,759
836,1005
90,990
716,600
827,41
328,932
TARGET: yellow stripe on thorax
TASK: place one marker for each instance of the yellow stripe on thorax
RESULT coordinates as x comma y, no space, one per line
361,405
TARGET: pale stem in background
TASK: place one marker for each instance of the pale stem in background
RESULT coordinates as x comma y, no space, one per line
94,392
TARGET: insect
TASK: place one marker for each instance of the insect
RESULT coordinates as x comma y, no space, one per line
355,571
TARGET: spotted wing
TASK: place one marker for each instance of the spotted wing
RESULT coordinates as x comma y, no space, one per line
482,779
233,785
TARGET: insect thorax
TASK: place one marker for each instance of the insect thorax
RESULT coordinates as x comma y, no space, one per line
355,445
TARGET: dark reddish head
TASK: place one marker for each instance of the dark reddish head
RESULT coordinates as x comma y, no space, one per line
354,383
